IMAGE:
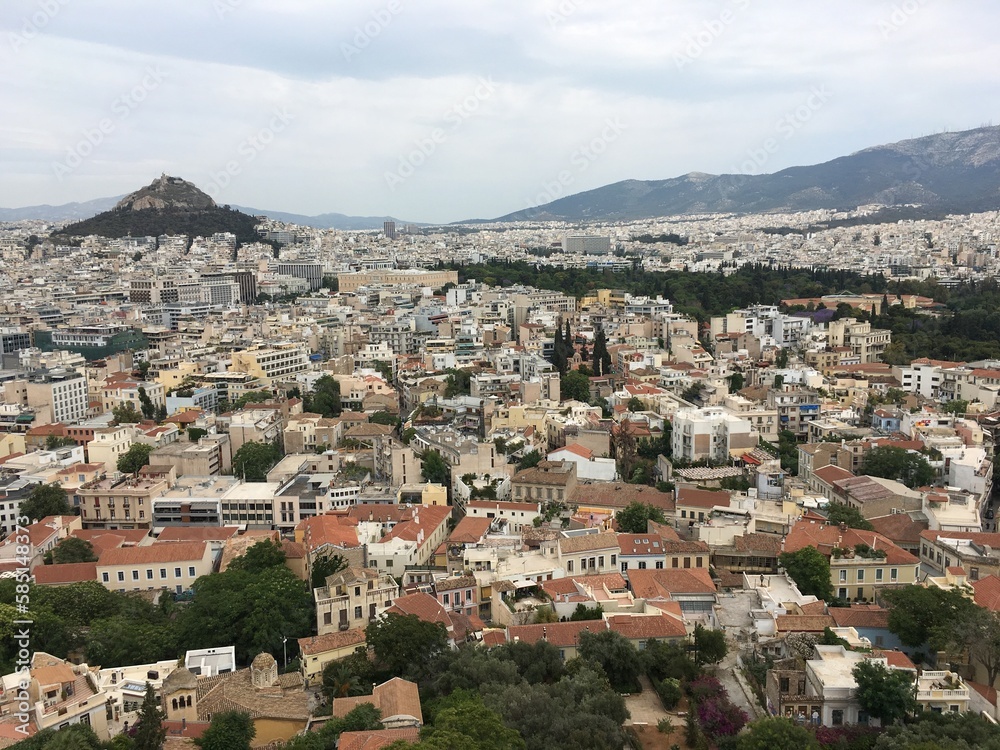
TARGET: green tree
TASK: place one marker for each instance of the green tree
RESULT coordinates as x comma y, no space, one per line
229,730
405,645
325,397
122,639
931,731
976,634
583,612
634,404
529,460
384,417
45,500
260,556
435,469
709,645
351,676
73,550
838,513
254,459
736,382
323,566
955,406
810,570
146,404
463,714
634,517
601,357
194,434
458,383
776,733
615,655
149,730
125,413
574,386
887,694
132,460
55,442
905,466
916,613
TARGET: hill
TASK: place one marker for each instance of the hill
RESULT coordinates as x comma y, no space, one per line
958,172
168,205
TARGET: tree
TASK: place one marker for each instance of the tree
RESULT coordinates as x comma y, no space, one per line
384,417
736,382
463,713
435,469
781,359
720,717
634,517
260,556
634,404
776,733
55,442
229,730
916,612
254,459
132,460
931,731
886,694
194,434
458,383
323,566
600,356
325,397
583,612
890,462
810,570
838,513
955,406
574,386
529,460
45,500
709,645
405,645
146,404
346,677
976,634
149,730
615,655
73,550
125,413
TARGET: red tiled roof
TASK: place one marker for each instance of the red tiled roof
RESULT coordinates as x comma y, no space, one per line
830,474
318,644
653,584
861,616
55,575
470,530
987,592
156,553
557,633
643,627
377,739
803,623
196,534
691,496
424,606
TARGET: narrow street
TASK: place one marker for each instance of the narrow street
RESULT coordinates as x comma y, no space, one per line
734,618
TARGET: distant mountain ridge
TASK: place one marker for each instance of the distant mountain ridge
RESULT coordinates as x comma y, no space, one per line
957,171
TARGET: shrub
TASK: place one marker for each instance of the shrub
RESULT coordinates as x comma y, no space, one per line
719,717
664,725
703,687
669,691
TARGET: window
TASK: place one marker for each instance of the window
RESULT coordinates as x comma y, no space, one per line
600,561
642,565
843,576
135,575
163,572
327,618
783,684
687,562
624,566
191,571
177,572
878,575
893,573
357,613
973,574
569,566
861,575
121,575
673,562
842,593
837,717
659,564
614,558
697,562
446,598
583,563
861,593
105,577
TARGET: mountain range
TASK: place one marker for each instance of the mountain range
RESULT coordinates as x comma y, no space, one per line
959,172
946,172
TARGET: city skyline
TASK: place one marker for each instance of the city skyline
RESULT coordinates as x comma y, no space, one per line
422,113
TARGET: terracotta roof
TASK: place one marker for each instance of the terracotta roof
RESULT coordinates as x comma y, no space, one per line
319,644
758,543
987,592
337,531
803,623
576,449
899,527
424,606
830,474
458,582
691,496
642,627
617,495
555,473
426,519
568,585
861,616
556,633
55,575
156,553
102,539
641,544
588,542
653,584
825,537
377,739
395,698
196,533
470,530
896,659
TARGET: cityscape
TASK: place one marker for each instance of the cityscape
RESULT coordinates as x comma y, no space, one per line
642,461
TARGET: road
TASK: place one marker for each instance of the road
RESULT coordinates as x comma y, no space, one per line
734,617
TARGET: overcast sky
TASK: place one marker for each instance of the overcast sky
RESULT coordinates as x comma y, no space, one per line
441,110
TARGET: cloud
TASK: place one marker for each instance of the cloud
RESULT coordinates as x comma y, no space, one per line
697,85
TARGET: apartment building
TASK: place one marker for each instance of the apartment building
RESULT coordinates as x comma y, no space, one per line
267,364
865,342
122,502
352,598
173,566
713,433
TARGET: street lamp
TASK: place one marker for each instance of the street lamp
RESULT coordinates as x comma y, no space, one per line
284,650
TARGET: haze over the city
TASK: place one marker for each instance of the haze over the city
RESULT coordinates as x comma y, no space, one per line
442,111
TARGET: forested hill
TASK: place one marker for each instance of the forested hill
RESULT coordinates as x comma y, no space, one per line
966,327
152,222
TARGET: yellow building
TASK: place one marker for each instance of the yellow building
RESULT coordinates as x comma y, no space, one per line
422,494
319,650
